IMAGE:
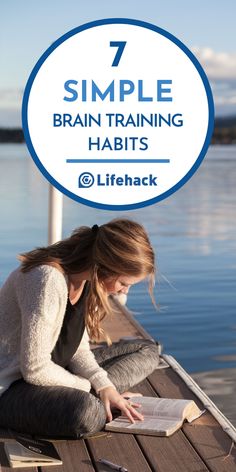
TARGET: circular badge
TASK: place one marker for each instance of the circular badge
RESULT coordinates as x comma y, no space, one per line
118,114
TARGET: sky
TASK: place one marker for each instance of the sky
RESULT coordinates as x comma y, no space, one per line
27,28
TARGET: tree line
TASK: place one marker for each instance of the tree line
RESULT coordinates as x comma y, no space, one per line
224,132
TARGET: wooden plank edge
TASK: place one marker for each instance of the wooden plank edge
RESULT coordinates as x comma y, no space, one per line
124,310
127,313
208,404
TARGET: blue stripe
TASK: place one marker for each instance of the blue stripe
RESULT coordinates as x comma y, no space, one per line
117,161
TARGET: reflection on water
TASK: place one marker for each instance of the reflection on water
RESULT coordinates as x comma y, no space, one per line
220,386
194,236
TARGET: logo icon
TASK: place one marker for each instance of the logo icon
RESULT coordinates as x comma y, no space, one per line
86,179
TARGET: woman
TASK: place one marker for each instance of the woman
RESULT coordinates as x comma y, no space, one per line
51,383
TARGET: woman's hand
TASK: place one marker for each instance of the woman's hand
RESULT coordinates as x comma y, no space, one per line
111,398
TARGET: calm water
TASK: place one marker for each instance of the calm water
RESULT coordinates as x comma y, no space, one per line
194,236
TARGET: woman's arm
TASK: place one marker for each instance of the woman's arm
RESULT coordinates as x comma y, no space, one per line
84,363
42,296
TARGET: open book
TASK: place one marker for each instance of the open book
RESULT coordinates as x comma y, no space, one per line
29,452
162,416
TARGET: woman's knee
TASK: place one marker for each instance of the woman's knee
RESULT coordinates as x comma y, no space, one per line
131,369
151,352
75,413
51,411
89,415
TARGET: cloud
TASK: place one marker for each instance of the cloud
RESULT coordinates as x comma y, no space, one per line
217,65
10,107
10,117
220,68
11,97
224,92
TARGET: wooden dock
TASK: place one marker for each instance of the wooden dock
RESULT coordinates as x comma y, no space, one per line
201,446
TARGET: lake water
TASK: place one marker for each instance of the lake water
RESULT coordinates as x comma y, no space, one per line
194,236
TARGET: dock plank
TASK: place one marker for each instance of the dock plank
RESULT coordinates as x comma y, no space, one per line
172,454
120,449
206,435
213,446
74,455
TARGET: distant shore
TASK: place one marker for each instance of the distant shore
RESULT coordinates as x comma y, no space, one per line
224,132
11,135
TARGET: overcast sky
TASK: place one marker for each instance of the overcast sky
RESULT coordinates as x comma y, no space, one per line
28,27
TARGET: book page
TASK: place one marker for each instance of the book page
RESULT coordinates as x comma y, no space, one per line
193,413
148,423
153,426
162,407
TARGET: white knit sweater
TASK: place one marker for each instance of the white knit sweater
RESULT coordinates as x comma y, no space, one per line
32,308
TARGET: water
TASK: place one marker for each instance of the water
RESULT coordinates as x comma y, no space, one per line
194,236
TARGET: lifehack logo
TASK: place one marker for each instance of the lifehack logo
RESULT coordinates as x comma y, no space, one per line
86,180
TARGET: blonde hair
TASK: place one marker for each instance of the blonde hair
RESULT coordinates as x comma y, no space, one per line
119,247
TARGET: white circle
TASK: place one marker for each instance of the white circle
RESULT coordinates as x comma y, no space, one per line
150,113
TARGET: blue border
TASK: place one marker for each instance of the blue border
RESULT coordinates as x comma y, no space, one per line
84,27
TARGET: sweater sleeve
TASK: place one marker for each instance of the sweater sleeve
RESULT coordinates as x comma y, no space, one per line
42,296
84,363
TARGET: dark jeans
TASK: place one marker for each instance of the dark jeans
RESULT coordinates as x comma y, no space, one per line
68,412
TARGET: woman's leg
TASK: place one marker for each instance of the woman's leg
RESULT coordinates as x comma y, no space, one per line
128,362
67,412
50,411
